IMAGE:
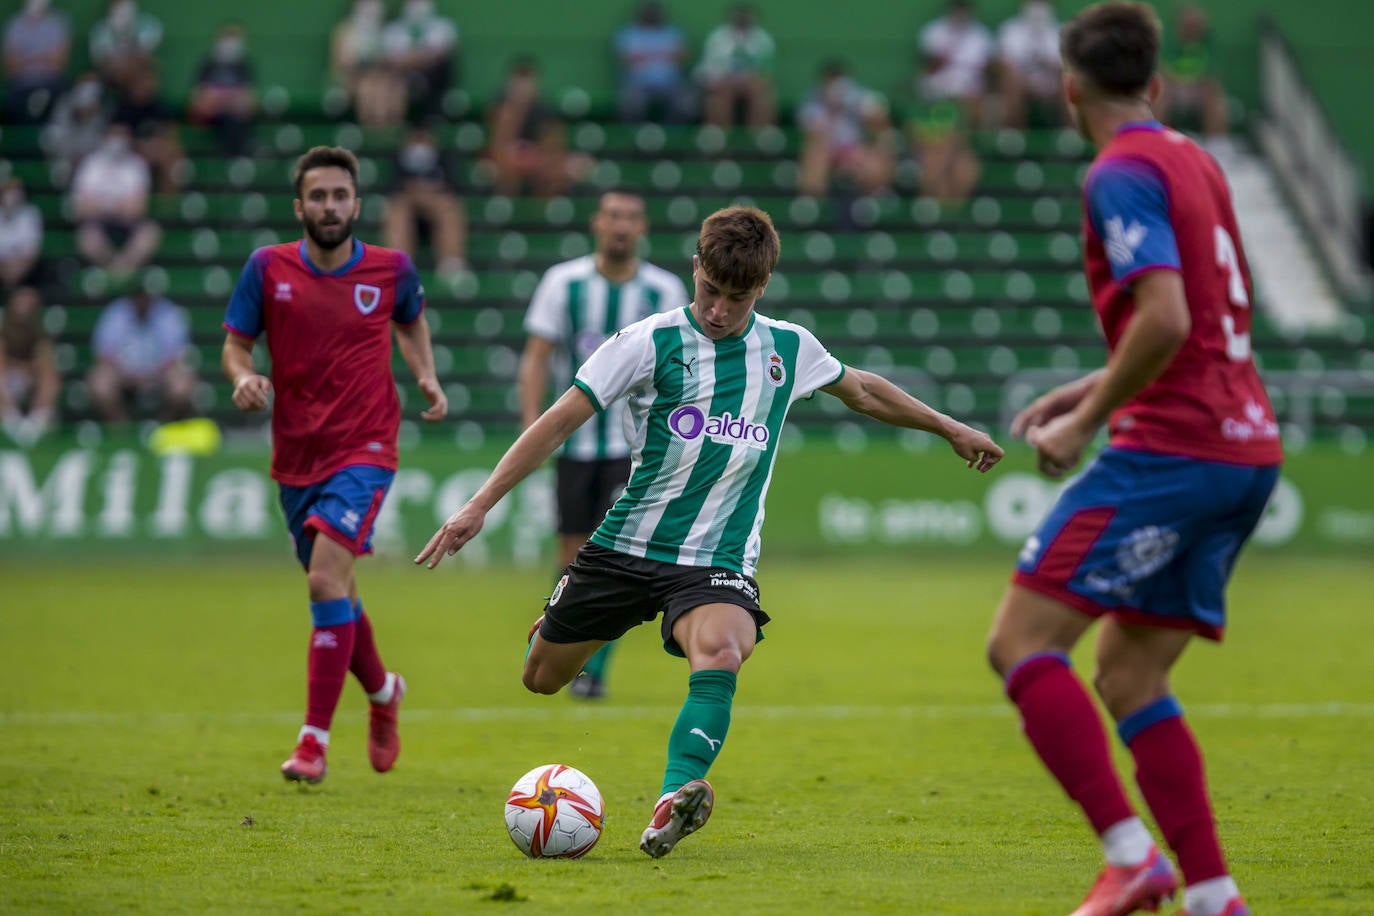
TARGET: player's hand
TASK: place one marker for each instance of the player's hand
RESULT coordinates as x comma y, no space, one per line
1059,444
438,401
975,447
1054,403
252,392
461,527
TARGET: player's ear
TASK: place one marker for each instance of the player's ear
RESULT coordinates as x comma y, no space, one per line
357,207
296,206
1154,89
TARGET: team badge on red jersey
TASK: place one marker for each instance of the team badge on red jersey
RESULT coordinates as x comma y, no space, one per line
366,297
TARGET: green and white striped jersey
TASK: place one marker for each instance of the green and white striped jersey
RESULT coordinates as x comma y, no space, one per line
577,309
705,418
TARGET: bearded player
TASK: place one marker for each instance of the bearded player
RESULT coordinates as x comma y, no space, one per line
329,305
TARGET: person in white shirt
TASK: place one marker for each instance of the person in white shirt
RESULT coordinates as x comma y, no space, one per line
1028,58
420,46
847,131
21,236
736,68
139,345
110,204
956,51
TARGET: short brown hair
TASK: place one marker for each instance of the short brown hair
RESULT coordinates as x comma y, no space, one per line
321,157
738,247
1115,45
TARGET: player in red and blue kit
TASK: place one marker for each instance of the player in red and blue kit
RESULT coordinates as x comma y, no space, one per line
1146,537
328,305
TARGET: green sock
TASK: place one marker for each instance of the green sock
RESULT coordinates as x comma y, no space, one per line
596,665
700,728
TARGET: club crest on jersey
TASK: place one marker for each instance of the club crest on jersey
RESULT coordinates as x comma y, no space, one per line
366,297
777,372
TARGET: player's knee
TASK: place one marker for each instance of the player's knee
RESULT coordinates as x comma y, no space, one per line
324,585
1124,690
726,657
540,679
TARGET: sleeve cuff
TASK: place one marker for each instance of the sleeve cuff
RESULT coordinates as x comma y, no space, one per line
591,395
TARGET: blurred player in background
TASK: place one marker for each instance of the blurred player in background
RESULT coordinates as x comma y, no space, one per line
1147,535
577,306
328,304
708,389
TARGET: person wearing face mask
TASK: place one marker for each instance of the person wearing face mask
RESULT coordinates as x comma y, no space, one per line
21,236
77,126
359,65
38,47
420,46
956,51
651,52
223,95
154,127
1028,66
846,132
737,69
110,205
424,201
124,42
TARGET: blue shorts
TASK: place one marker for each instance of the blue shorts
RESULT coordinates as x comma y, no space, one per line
342,508
1148,538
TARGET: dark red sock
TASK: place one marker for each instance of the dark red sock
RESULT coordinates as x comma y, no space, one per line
1169,771
327,669
366,664
1064,727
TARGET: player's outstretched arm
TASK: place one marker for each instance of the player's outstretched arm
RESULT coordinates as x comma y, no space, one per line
418,352
1158,328
528,452
251,390
872,395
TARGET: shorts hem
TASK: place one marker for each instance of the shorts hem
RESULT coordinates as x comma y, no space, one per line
321,525
1131,615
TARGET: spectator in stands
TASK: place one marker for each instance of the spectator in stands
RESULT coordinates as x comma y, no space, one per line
139,344
956,52
124,42
652,54
420,47
38,46
78,124
736,70
1193,94
1029,66
153,125
527,141
110,205
223,95
424,198
21,236
29,380
847,132
359,64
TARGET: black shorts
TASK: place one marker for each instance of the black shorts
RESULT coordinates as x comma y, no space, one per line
604,593
586,490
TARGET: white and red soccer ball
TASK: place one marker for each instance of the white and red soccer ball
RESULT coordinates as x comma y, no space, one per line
554,812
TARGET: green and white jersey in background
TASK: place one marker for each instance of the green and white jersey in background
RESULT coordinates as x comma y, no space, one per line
577,309
705,418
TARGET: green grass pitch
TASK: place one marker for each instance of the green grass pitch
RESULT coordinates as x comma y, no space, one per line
872,765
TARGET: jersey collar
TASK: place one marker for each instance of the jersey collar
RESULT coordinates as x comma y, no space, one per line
1150,124
352,262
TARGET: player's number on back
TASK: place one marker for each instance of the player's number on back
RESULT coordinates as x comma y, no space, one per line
1237,342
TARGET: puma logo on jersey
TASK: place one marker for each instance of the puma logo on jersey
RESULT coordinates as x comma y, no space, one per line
687,366
714,742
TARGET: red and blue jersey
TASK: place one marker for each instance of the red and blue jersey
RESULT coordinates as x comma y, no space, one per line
329,337
1154,200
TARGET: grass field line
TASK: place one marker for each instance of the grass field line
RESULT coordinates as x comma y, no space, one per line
549,713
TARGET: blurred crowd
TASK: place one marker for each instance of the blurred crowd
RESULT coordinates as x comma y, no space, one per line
112,138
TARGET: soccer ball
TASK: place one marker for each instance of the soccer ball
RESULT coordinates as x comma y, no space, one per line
554,812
